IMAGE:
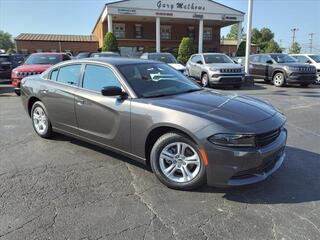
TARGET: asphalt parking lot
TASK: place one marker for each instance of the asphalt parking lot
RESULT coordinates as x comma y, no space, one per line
66,189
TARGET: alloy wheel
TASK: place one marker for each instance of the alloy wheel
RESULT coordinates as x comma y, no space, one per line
40,120
278,79
179,162
205,80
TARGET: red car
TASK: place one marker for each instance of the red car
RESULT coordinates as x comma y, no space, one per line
35,64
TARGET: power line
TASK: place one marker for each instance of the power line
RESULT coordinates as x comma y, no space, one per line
311,42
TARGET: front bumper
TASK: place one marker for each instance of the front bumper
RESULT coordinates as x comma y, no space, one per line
302,78
237,167
226,79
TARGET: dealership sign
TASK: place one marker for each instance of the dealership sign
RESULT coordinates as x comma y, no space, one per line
180,6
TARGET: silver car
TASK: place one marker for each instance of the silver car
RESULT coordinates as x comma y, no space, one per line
154,114
215,69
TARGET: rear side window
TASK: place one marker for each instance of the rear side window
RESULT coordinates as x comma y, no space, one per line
254,58
97,77
69,74
54,74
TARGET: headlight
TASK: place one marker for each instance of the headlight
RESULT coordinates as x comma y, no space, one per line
233,140
293,69
214,69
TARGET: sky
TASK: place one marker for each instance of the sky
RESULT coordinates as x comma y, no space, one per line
80,16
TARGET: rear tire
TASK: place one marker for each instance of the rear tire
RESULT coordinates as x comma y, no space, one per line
237,86
177,162
279,79
40,121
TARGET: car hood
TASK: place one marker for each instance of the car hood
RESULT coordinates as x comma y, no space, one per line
218,107
32,67
224,65
177,66
293,64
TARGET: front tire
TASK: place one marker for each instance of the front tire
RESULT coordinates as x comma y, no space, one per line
40,120
279,80
177,162
205,80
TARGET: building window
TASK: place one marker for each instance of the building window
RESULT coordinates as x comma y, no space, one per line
191,32
165,32
138,31
119,30
207,34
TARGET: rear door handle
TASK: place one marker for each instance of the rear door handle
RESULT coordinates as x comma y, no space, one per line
80,102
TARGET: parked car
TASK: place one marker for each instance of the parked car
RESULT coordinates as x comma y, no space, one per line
83,55
167,58
152,113
104,54
35,64
280,69
312,59
8,62
215,69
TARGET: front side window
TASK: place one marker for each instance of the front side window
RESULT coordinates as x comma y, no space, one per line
43,59
166,32
207,34
119,30
216,58
97,77
69,74
265,58
156,80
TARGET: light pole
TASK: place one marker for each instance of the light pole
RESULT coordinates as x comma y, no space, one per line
249,30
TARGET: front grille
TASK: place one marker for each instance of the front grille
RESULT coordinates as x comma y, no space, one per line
267,138
306,69
25,74
231,70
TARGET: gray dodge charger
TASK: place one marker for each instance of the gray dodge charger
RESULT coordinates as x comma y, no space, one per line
152,113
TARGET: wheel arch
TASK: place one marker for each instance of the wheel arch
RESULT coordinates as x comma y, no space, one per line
31,101
159,131
278,71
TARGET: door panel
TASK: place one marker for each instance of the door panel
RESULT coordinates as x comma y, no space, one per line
103,119
59,102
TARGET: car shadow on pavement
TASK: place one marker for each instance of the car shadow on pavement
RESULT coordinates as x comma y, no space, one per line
297,181
6,89
60,137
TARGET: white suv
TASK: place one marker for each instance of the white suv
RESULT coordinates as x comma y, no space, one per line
312,59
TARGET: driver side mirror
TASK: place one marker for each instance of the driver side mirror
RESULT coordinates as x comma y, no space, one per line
113,91
309,62
269,62
200,62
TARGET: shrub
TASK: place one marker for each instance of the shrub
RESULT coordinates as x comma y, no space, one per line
241,52
186,49
110,43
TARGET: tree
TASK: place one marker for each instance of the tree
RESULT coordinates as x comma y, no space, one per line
6,40
233,34
266,35
186,49
241,50
11,51
256,36
110,43
295,48
272,47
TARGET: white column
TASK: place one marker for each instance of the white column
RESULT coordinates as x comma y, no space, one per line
249,30
110,24
200,50
239,34
158,34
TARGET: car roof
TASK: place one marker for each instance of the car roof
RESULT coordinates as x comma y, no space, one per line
116,61
49,53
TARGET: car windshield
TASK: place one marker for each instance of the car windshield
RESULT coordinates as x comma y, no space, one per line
43,59
166,58
216,58
283,58
156,80
316,58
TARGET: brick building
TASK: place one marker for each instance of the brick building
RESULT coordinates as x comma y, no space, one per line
230,47
27,43
159,25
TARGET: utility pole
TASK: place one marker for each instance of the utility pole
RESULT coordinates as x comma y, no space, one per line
311,41
249,31
294,30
